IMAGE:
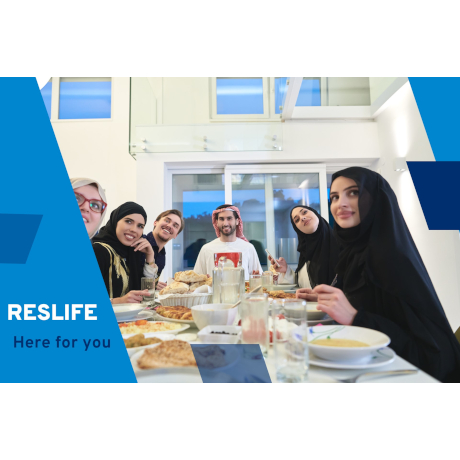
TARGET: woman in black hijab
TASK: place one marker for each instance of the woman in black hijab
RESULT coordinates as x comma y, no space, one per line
319,252
118,248
385,284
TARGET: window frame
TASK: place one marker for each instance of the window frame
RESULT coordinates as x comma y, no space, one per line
214,116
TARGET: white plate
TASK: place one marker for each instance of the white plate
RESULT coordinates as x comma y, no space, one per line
379,358
140,316
127,311
146,334
165,375
281,287
171,320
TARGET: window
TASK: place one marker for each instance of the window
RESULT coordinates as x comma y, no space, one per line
309,95
239,98
46,94
85,98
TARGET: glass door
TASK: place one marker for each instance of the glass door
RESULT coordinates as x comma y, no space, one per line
266,195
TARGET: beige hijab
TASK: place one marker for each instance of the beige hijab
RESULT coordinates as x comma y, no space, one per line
81,182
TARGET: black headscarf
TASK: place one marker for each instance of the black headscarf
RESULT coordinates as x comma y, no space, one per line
320,248
385,278
108,235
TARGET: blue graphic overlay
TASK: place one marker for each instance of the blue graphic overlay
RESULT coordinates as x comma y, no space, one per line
25,228
438,100
55,315
231,363
436,185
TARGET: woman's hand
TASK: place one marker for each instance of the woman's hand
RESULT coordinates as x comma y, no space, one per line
283,264
132,297
143,245
333,302
306,294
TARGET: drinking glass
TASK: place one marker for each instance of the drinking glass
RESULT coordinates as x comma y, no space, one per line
254,281
289,321
267,280
254,320
148,283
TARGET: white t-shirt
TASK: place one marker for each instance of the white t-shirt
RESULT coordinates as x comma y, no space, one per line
205,262
289,277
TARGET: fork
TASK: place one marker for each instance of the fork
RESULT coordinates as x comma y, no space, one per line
378,374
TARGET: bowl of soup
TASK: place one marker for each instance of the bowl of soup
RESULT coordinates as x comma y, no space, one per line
345,343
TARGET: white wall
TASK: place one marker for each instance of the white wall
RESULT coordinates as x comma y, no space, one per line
378,85
99,149
402,134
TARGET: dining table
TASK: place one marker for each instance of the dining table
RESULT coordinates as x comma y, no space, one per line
316,374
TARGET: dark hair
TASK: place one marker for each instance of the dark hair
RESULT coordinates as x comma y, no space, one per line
177,213
224,206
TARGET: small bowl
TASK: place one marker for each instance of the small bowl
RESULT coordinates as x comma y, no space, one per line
206,335
313,313
128,311
376,340
214,314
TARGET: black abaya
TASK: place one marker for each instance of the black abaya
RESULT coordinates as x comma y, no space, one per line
320,249
384,278
130,263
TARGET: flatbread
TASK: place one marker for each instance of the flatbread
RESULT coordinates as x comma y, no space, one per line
190,277
173,353
175,288
196,285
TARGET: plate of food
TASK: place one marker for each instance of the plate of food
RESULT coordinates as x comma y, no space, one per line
144,326
178,314
138,342
279,294
171,353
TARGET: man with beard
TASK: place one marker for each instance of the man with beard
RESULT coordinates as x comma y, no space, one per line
166,227
228,224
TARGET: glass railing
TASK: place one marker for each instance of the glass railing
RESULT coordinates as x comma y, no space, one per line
219,137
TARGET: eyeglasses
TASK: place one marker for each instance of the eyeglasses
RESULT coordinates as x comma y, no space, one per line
97,206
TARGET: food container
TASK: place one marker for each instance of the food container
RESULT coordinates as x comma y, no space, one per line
231,336
214,315
186,300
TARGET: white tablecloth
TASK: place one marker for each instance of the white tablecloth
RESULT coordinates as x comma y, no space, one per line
315,374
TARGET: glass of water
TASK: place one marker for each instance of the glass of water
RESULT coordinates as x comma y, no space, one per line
149,284
254,281
267,279
289,322
254,320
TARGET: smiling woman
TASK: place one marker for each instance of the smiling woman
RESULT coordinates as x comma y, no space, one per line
91,201
118,248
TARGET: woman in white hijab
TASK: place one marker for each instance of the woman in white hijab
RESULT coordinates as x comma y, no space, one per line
92,202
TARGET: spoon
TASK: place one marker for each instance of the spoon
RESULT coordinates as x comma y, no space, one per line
378,374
